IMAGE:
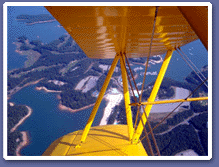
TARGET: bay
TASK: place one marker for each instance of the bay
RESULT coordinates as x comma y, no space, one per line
47,122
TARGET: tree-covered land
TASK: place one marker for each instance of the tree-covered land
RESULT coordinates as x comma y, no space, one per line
30,19
61,65
184,130
76,99
14,115
181,138
60,61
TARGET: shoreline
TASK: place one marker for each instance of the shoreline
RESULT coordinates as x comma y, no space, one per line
24,134
62,107
23,119
17,88
41,22
138,63
22,144
150,61
37,22
47,90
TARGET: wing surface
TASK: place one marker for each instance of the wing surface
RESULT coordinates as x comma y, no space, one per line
104,31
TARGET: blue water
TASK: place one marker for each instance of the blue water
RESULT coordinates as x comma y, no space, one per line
178,69
46,32
47,122
50,31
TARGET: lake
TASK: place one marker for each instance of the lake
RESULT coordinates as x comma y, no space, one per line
44,32
47,122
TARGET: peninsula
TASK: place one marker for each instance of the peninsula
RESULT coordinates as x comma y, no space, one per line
17,114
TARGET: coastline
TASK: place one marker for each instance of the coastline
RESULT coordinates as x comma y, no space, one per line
17,88
22,120
37,22
47,90
136,63
41,22
150,61
62,107
25,139
22,144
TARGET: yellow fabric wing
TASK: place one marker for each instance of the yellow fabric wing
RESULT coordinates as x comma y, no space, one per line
104,31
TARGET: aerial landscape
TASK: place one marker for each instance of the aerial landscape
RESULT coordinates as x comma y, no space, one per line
52,86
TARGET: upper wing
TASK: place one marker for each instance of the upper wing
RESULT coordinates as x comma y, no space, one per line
104,31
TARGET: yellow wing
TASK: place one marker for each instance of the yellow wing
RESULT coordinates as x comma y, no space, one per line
104,31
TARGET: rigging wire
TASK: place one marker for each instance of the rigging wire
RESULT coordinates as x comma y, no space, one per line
132,88
147,62
145,72
191,67
178,106
138,112
140,115
143,83
192,63
145,131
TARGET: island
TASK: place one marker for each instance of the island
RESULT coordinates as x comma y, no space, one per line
35,19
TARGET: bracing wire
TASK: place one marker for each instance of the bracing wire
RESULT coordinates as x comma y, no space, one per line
146,66
178,106
192,63
143,83
191,67
138,112
140,115
145,131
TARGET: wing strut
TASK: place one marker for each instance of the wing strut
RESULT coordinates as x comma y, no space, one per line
126,98
138,110
99,99
182,101
153,95
101,94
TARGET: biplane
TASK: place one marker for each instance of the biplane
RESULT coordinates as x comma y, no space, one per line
120,33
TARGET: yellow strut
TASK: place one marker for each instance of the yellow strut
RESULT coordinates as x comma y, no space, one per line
126,98
170,101
99,99
153,95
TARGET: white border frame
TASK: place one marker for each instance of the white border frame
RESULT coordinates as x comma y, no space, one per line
6,157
